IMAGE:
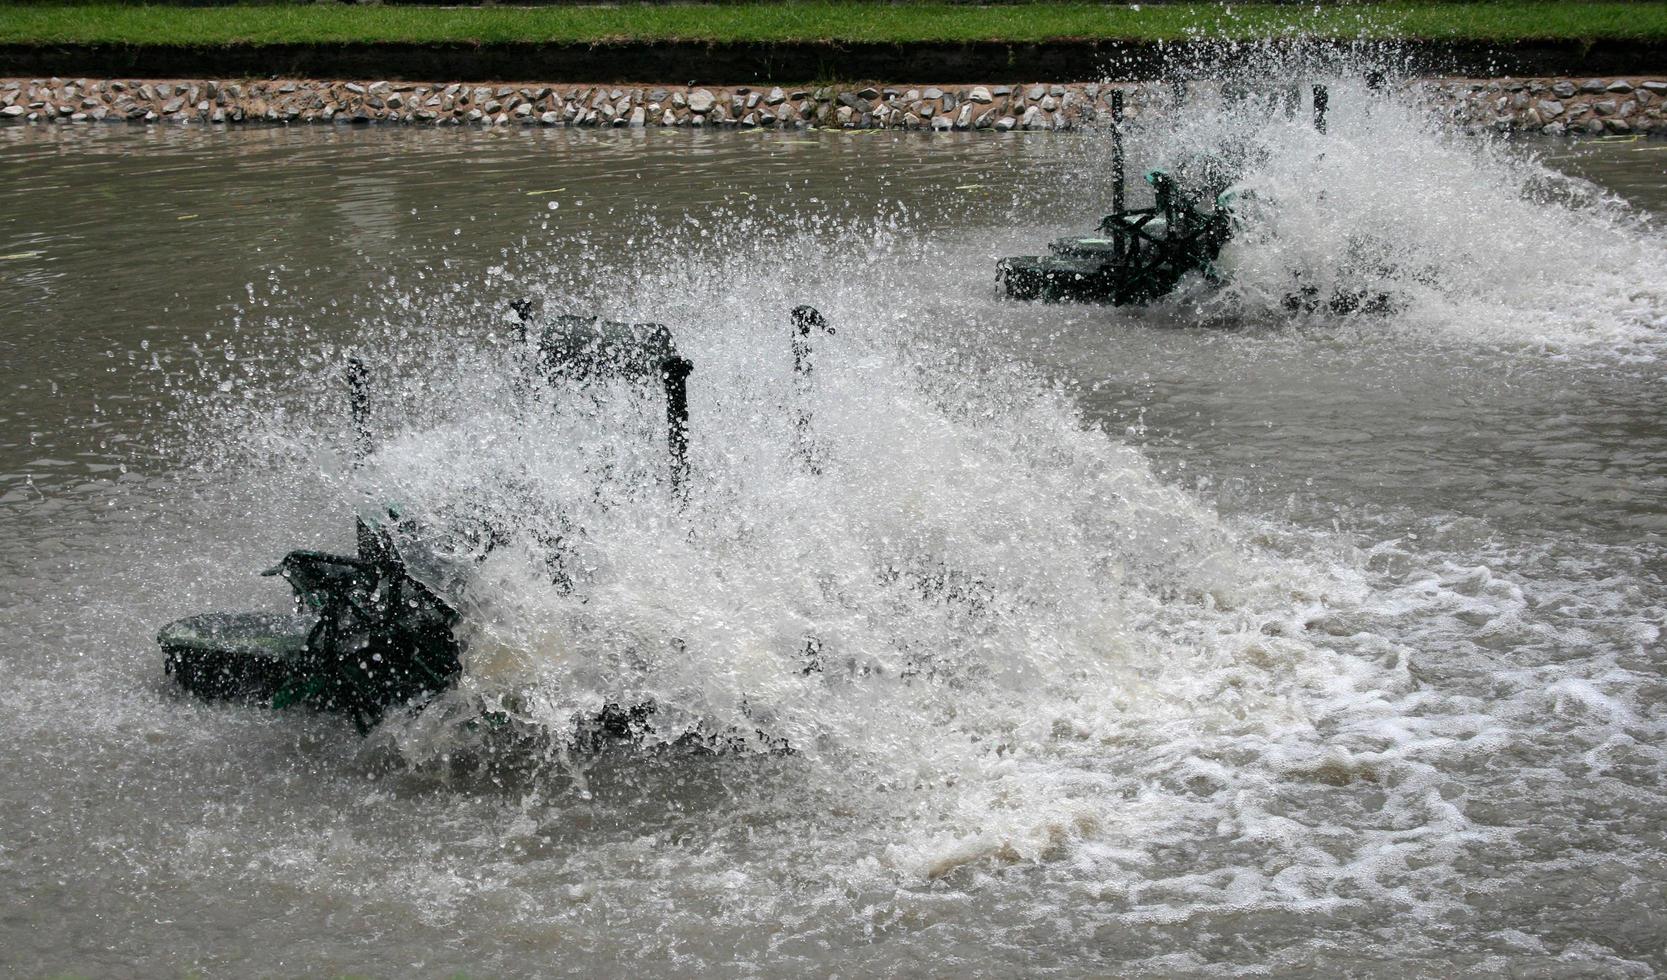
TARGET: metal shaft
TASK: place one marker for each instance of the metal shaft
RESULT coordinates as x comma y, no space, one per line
1117,166
1321,99
675,373
358,394
806,319
524,313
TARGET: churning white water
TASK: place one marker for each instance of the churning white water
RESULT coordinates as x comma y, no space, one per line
1303,643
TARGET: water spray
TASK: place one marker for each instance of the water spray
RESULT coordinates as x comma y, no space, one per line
378,630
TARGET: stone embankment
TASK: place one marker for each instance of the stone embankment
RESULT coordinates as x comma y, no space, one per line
1554,106
295,101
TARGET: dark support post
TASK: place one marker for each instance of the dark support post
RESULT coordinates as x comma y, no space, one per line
1293,100
1321,98
524,311
1118,178
358,394
1117,166
1164,187
805,319
674,371
1375,81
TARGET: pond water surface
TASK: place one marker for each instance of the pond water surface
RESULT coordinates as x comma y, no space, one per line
1308,643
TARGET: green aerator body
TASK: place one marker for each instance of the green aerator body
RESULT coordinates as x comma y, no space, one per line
1138,255
369,633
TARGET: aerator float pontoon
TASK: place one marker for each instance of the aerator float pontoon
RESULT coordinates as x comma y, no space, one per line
1139,254
379,630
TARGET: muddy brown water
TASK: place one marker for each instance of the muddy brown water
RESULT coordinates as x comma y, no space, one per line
1419,732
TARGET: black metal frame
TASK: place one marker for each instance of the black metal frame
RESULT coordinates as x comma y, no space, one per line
381,638
672,371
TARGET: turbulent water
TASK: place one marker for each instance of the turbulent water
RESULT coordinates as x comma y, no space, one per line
1231,635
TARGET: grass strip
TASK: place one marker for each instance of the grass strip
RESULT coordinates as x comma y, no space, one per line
92,23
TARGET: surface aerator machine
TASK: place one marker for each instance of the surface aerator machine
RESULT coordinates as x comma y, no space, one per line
1138,254
376,630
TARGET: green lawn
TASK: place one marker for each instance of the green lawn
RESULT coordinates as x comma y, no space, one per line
842,21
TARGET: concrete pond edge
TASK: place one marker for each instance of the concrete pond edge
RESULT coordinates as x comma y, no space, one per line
1609,105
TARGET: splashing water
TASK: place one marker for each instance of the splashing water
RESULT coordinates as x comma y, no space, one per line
1458,233
996,592
1015,620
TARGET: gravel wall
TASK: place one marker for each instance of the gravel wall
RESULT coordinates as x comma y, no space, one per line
1556,106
